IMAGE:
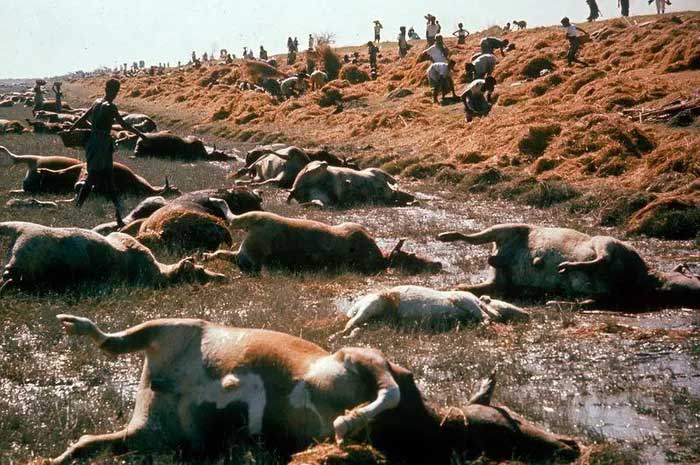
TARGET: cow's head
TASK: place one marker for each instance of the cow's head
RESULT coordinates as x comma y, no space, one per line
187,271
410,262
312,176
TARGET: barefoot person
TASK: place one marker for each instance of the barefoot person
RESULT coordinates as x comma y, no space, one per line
574,42
491,44
100,148
38,96
58,96
461,34
482,66
440,79
476,97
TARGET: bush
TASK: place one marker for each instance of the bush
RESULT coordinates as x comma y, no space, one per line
548,193
353,74
331,61
538,139
533,68
667,219
624,207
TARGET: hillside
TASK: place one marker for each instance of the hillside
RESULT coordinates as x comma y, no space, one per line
552,138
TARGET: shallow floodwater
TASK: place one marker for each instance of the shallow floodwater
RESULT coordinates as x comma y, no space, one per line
630,379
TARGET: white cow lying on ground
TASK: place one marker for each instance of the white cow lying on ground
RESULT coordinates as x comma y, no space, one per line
416,304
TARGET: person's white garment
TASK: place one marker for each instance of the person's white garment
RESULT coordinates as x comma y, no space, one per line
377,28
476,87
402,41
288,84
311,43
571,31
436,54
432,30
436,72
484,64
660,7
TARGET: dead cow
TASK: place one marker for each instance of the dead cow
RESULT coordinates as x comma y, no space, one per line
260,151
31,181
143,123
322,184
43,126
166,145
197,220
280,167
43,257
11,126
425,306
536,260
203,386
276,241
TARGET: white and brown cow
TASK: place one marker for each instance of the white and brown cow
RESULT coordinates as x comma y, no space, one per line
321,184
204,385
41,257
428,307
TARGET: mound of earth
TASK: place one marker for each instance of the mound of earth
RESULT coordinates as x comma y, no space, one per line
552,124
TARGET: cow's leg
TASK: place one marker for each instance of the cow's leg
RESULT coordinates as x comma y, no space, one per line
495,234
367,308
227,255
388,392
602,257
134,339
222,206
118,442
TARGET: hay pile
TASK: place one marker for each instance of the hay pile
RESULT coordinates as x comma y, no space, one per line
331,454
562,126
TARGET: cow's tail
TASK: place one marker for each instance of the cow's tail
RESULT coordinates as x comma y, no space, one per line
497,234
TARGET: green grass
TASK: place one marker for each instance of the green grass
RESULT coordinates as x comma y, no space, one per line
54,388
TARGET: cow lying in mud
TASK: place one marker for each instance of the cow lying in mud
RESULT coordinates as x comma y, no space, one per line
539,261
43,257
57,174
258,152
194,221
44,127
167,145
205,386
8,126
428,307
323,185
296,244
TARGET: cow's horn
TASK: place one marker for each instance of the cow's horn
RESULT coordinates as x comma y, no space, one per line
167,183
397,247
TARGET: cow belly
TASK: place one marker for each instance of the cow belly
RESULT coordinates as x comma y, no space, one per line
429,304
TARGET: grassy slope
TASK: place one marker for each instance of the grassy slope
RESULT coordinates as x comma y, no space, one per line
643,63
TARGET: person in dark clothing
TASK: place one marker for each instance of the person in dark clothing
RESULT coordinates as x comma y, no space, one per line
624,7
594,11
58,96
99,149
372,50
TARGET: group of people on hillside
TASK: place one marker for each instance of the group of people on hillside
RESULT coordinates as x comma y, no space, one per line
39,96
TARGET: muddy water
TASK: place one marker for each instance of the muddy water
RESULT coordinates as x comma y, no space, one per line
628,379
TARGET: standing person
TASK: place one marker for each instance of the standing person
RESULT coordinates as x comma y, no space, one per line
58,95
574,42
296,45
624,6
38,96
506,28
490,44
476,98
432,29
100,148
437,53
372,50
440,79
403,43
311,42
412,34
263,53
594,11
461,34
660,6
377,30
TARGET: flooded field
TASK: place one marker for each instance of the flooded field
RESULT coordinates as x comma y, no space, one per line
631,380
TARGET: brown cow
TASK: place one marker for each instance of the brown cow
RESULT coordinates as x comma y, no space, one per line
43,126
540,260
276,241
43,257
165,145
203,384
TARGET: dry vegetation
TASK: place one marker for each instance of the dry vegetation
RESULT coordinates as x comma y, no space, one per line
565,127
625,384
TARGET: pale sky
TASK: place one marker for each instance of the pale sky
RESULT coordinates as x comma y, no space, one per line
53,37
